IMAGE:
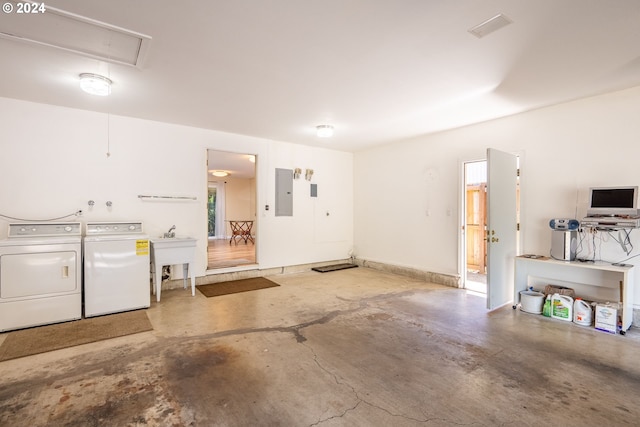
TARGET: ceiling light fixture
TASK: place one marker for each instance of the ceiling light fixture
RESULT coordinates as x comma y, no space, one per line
95,84
324,131
219,173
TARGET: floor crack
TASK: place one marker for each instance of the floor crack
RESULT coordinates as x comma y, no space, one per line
300,338
337,381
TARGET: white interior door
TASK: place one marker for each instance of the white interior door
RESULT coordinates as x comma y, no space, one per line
502,234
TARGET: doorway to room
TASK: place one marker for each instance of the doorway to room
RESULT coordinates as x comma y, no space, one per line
475,225
231,209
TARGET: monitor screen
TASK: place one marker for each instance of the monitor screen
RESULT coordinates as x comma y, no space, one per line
612,198
613,201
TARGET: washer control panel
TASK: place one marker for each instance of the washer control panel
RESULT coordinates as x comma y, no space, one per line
45,229
103,228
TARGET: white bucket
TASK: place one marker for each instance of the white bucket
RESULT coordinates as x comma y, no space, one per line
562,307
582,313
531,301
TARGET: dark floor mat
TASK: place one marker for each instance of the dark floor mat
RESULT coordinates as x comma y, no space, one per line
235,286
62,335
334,267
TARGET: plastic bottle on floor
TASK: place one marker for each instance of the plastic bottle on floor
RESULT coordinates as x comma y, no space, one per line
546,308
562,307
582,314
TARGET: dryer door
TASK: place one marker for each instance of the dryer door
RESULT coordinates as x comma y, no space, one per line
27,275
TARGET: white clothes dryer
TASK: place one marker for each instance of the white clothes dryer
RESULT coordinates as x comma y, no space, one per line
40,274
116,268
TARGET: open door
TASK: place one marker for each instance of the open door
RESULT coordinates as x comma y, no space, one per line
502,220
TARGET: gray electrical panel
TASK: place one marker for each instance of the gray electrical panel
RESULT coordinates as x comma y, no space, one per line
314,190
284,192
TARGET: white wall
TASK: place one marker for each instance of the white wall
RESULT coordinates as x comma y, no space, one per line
565,149
53,161
325,235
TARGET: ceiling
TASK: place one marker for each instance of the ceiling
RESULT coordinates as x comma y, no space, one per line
377,70
237,165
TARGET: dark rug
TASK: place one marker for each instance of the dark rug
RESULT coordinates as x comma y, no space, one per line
334,267
235,286
41,339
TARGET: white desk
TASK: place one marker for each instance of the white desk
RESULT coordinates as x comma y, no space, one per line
597,281
172,251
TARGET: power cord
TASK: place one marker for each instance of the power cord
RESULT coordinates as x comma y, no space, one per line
76,214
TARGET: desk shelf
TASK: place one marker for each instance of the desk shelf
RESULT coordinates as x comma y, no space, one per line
597,281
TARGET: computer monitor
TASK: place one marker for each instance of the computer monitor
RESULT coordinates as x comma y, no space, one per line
613,201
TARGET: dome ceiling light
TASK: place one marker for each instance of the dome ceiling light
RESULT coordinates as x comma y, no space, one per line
324,131
95,84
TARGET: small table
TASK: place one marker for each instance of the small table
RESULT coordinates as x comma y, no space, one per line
171,251
241,229
597,281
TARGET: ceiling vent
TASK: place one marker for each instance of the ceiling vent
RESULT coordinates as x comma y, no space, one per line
490,25
78,34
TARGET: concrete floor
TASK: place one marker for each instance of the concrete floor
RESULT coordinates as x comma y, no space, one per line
357,347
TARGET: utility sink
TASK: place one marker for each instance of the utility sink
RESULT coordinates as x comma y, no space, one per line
172,251
173,242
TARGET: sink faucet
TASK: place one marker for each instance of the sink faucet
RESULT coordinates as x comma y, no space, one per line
170,233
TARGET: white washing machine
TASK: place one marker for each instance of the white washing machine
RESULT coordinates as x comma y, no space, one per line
116,268
40,274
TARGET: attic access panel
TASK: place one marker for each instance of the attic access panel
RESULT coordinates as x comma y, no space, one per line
75,33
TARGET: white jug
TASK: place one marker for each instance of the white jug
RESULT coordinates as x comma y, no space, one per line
562,307
582,313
